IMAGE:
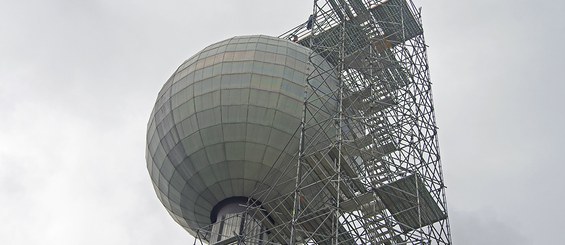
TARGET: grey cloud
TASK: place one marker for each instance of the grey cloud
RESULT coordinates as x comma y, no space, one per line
78,80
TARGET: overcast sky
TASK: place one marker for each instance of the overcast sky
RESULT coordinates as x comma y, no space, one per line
78,80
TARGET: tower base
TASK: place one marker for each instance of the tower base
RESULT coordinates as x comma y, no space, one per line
233,224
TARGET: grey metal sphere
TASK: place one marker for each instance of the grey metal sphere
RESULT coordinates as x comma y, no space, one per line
226,124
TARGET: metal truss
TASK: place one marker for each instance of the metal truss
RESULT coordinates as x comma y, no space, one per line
368,167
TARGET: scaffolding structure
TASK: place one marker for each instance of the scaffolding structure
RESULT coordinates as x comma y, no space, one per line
367,169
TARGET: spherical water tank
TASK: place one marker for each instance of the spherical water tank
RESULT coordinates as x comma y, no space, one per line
226,124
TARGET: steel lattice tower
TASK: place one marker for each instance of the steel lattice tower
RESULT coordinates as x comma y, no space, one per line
383,162
362,165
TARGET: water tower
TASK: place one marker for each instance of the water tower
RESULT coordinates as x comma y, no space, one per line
323,135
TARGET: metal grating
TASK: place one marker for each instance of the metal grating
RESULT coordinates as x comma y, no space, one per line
410,203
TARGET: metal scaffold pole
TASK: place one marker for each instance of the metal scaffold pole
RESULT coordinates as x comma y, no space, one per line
391,190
